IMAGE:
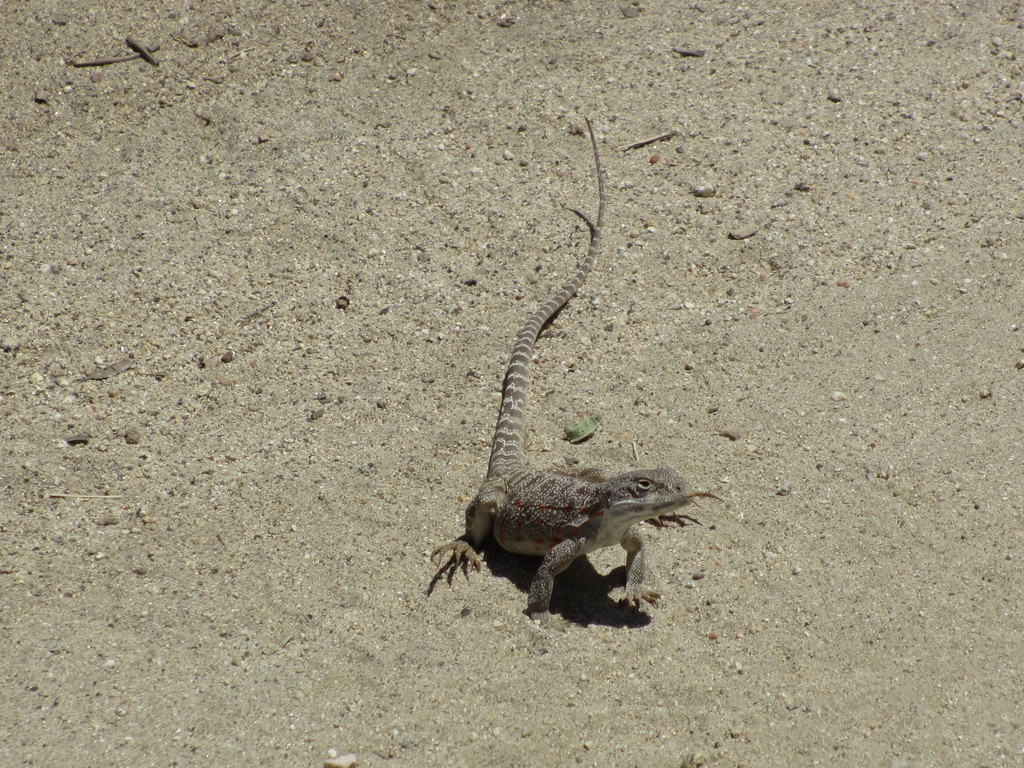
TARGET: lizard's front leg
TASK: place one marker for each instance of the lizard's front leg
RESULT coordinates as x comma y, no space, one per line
636,569
555,561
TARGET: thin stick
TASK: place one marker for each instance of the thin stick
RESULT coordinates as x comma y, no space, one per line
142,50
183,40
81,496
118,60
645,142
255,312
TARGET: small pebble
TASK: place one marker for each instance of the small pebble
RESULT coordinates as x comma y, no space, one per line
743,232
348,760
132,436
699,191
733,433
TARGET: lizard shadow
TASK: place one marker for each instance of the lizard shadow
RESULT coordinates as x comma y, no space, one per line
582,595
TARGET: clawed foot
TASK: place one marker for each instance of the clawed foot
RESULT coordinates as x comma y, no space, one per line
638,595
460,556
547,621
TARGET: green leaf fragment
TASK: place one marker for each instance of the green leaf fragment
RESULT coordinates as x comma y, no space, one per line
575,433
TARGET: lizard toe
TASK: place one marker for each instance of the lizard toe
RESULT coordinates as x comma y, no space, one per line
637,596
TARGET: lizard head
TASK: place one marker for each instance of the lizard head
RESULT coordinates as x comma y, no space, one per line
644,494
654,495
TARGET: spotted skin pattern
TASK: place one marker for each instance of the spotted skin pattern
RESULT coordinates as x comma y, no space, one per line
560,516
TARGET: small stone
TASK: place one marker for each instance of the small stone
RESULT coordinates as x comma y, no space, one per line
743,232
9,344
703,191
838,396
132,436
106,371
733,433
630,11
79,439
341,302
985,394
347,760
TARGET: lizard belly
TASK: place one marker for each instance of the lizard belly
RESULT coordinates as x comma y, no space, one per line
534,530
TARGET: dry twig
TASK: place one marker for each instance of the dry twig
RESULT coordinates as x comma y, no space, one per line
645,142
117,60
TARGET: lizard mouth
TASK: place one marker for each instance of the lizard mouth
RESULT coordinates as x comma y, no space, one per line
679,502
642,510
664,511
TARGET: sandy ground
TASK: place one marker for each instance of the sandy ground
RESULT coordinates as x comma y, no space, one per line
313,235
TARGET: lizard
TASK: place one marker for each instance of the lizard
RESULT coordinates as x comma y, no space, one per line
561,516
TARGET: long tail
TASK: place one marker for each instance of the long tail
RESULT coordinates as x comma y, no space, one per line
507,449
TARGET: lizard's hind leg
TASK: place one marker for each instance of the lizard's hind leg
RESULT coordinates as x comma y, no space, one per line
462,553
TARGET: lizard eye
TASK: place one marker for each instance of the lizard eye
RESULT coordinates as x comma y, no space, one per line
643,485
